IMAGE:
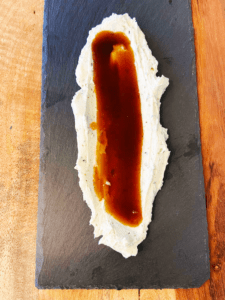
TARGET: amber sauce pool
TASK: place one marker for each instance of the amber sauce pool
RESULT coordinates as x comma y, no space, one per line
117,173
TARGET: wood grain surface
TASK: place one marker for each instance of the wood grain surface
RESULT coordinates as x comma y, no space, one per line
20,101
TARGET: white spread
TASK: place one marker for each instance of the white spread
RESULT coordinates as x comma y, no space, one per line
119,237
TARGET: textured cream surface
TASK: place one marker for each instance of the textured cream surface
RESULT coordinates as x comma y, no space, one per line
119,237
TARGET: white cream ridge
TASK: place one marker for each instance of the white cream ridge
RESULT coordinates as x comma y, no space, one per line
119,237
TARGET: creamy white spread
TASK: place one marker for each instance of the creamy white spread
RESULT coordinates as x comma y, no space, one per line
119,237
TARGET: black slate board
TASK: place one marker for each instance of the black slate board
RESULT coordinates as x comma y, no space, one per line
175,253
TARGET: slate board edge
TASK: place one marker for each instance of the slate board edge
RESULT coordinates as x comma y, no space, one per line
39,256
198,130
116,287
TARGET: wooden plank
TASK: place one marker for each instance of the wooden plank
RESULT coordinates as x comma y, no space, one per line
88,295
166,294
20,83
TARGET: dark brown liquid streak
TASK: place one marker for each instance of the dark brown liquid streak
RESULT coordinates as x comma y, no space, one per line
119,127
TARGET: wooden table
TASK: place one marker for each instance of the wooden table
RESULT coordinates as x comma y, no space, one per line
20,102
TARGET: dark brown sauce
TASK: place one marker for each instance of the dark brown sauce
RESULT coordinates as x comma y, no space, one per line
119,127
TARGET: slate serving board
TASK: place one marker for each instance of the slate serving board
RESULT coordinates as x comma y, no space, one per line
175,253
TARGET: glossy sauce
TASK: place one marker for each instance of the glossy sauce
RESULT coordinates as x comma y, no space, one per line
119,127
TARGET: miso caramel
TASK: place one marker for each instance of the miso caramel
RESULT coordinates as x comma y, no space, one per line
117,174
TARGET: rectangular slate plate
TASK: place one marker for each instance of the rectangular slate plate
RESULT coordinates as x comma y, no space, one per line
175,253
